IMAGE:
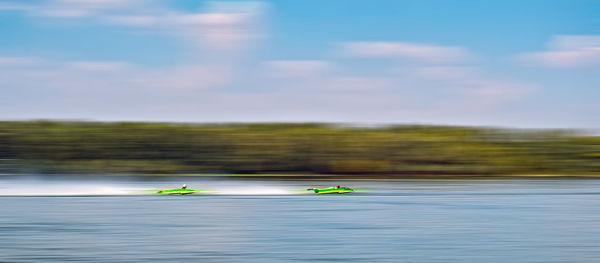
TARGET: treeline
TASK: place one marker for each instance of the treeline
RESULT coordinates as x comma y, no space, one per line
284,148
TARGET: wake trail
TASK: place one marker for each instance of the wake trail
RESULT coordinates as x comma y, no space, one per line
86,188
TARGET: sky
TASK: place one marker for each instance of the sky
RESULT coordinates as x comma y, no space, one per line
506,63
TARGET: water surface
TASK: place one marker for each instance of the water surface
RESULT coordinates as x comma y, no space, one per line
397,221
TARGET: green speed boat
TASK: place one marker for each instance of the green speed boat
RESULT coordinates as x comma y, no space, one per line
177,191
332,190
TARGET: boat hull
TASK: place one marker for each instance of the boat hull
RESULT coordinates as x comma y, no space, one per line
177,191
333,190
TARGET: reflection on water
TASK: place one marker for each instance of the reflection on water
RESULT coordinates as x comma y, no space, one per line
398,221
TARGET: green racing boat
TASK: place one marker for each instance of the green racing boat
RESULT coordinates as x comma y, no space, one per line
178,191
332,190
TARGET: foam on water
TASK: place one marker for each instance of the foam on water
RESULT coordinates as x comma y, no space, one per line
90,186
43,187
65,188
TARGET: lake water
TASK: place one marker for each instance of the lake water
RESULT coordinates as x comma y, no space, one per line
266,221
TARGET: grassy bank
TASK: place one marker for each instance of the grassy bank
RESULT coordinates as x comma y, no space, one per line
289,150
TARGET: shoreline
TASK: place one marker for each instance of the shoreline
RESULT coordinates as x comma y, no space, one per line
304,176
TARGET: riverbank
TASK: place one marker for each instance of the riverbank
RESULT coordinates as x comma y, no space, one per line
292,149
307,176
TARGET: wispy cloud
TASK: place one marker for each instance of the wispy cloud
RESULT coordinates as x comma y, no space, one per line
220,26
298,68
18,61
428,53
222,80
567,52
321,76
475,87
14,5
445,72
82,8
98,66
450,68
98,76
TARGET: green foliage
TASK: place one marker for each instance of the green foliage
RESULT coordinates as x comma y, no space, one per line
92,147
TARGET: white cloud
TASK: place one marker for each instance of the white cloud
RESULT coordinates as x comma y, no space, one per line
445,72
96,3
192,93
219,19
133,20
440,87
84,8
221,26
66,12
359,84
474,86
18,61
18,6
70,9
570,42
320,76
181,78
498,91
216,30
418,52
98,66
108,76
567,52
298,68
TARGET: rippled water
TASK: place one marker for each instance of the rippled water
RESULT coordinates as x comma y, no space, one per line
397,221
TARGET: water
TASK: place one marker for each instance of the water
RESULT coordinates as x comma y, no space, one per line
397,221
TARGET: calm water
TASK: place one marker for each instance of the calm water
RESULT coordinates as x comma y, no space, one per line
397,221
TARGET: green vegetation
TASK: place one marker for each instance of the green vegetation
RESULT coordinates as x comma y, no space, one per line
166,148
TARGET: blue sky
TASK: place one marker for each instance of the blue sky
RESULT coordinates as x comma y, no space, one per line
496,63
